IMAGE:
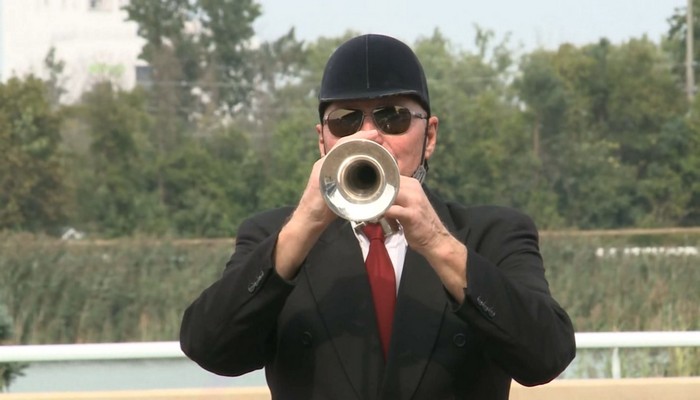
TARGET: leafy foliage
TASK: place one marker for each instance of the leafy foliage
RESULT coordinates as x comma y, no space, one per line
596,136
202,44
600,113
31,174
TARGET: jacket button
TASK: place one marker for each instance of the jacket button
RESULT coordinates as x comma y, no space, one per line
459,340
307,339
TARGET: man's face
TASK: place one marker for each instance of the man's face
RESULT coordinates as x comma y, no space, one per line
405,147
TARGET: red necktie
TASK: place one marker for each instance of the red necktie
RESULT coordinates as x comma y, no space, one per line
382,281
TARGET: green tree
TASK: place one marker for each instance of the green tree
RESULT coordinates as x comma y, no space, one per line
202,46
280,93
285,115
55,80
483,153
112,176
292,156
204,70
645,108
689,164
32,195
564,101
602,114
212,183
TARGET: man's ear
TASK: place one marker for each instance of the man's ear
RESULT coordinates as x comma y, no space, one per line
321,142
431,136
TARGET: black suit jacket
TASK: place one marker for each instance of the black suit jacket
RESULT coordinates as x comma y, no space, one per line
317,335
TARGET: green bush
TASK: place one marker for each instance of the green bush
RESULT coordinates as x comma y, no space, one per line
8,371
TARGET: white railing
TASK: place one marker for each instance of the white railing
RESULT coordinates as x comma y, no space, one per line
165,350
91,352
618,340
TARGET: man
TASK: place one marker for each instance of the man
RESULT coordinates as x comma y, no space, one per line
471,308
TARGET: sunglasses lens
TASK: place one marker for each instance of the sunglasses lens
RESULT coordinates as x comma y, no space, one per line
393,119
343,122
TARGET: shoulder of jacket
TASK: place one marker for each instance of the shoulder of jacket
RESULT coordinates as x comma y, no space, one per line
477,215
487,215
267,220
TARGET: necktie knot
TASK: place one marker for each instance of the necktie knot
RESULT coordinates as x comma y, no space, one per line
373,232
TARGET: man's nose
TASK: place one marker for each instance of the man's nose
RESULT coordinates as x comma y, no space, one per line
368,123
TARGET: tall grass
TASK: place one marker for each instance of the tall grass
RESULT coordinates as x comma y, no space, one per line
126,290
136,290
625,292
646,292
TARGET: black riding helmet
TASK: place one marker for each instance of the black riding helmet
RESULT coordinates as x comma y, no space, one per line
372,66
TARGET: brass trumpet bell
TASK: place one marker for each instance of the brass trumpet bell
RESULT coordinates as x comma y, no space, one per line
359,180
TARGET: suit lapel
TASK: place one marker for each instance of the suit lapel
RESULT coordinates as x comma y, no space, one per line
339,284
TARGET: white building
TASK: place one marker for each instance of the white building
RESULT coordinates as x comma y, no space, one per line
92,37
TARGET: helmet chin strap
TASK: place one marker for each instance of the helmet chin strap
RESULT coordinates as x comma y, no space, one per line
422,169
421,172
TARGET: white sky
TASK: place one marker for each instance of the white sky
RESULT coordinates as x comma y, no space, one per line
531,23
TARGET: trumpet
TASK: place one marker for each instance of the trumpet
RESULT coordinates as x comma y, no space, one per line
359,181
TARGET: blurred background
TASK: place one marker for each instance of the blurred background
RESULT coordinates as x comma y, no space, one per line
136,135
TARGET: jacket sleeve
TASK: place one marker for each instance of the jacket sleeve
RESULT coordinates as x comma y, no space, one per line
507,300
230,328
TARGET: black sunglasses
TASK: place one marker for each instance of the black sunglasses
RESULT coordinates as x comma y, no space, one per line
392,120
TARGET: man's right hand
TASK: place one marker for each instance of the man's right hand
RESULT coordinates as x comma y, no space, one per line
311,217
